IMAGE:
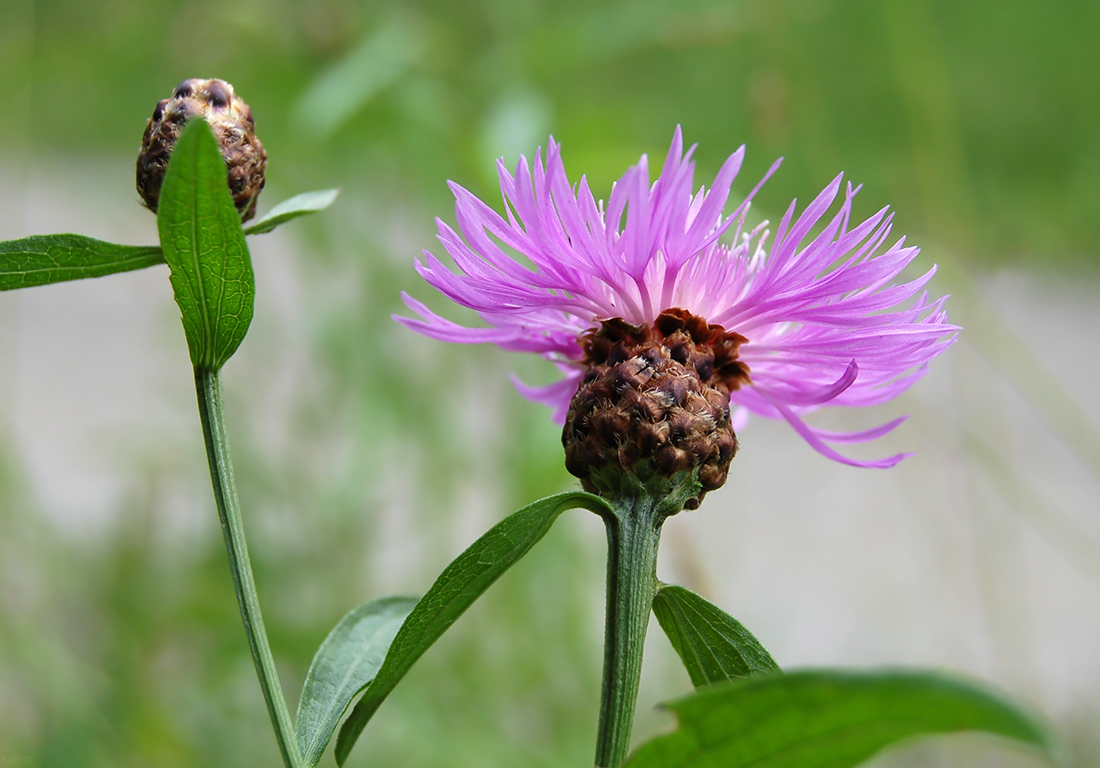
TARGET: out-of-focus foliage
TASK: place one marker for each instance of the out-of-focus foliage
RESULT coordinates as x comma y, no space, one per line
978,120
367,457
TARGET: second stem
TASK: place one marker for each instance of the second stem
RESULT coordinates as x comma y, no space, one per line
229,511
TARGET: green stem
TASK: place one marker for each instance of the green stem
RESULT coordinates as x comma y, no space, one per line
633,534
208,386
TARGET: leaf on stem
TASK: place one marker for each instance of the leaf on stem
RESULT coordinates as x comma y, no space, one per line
456,589
44,259
200,232
299,205
713,645
346,661
827,719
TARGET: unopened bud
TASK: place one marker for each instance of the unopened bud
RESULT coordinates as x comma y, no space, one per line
231,120
655,402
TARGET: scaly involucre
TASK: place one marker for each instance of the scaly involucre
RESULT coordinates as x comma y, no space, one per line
826,323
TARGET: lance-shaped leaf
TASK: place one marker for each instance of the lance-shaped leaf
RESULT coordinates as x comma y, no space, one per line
827,719
299,205
203,243
346,661
713,645
44,259
456,589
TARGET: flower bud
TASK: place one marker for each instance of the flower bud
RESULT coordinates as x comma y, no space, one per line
655,401
231,120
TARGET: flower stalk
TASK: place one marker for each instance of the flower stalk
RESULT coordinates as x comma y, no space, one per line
208,386
633,536
631,585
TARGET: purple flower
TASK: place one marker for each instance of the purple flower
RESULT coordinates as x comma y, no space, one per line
823,319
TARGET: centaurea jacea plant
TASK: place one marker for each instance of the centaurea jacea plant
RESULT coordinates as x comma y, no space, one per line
667,337
671,323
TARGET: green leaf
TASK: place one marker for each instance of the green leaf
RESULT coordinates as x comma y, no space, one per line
456,589
299,205
346,661
827,719
713,645
44,259
200,232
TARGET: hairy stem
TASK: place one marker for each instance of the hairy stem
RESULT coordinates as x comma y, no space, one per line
633,533
208,386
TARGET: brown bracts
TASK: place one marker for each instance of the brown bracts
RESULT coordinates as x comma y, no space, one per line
655,397
231,120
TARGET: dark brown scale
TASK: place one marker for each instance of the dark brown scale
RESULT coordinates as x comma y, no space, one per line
676,387
696,403
679,425
711,478
651,437
650,406
671,460
184,111
633,373
704,368
217,95
727,447
184,89
680,351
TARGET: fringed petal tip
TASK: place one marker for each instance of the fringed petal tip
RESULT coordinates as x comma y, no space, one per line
556,395
817,437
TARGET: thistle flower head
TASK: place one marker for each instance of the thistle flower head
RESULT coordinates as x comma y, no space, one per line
671,321
232,123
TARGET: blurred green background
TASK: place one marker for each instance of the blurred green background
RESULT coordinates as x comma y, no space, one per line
368,457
